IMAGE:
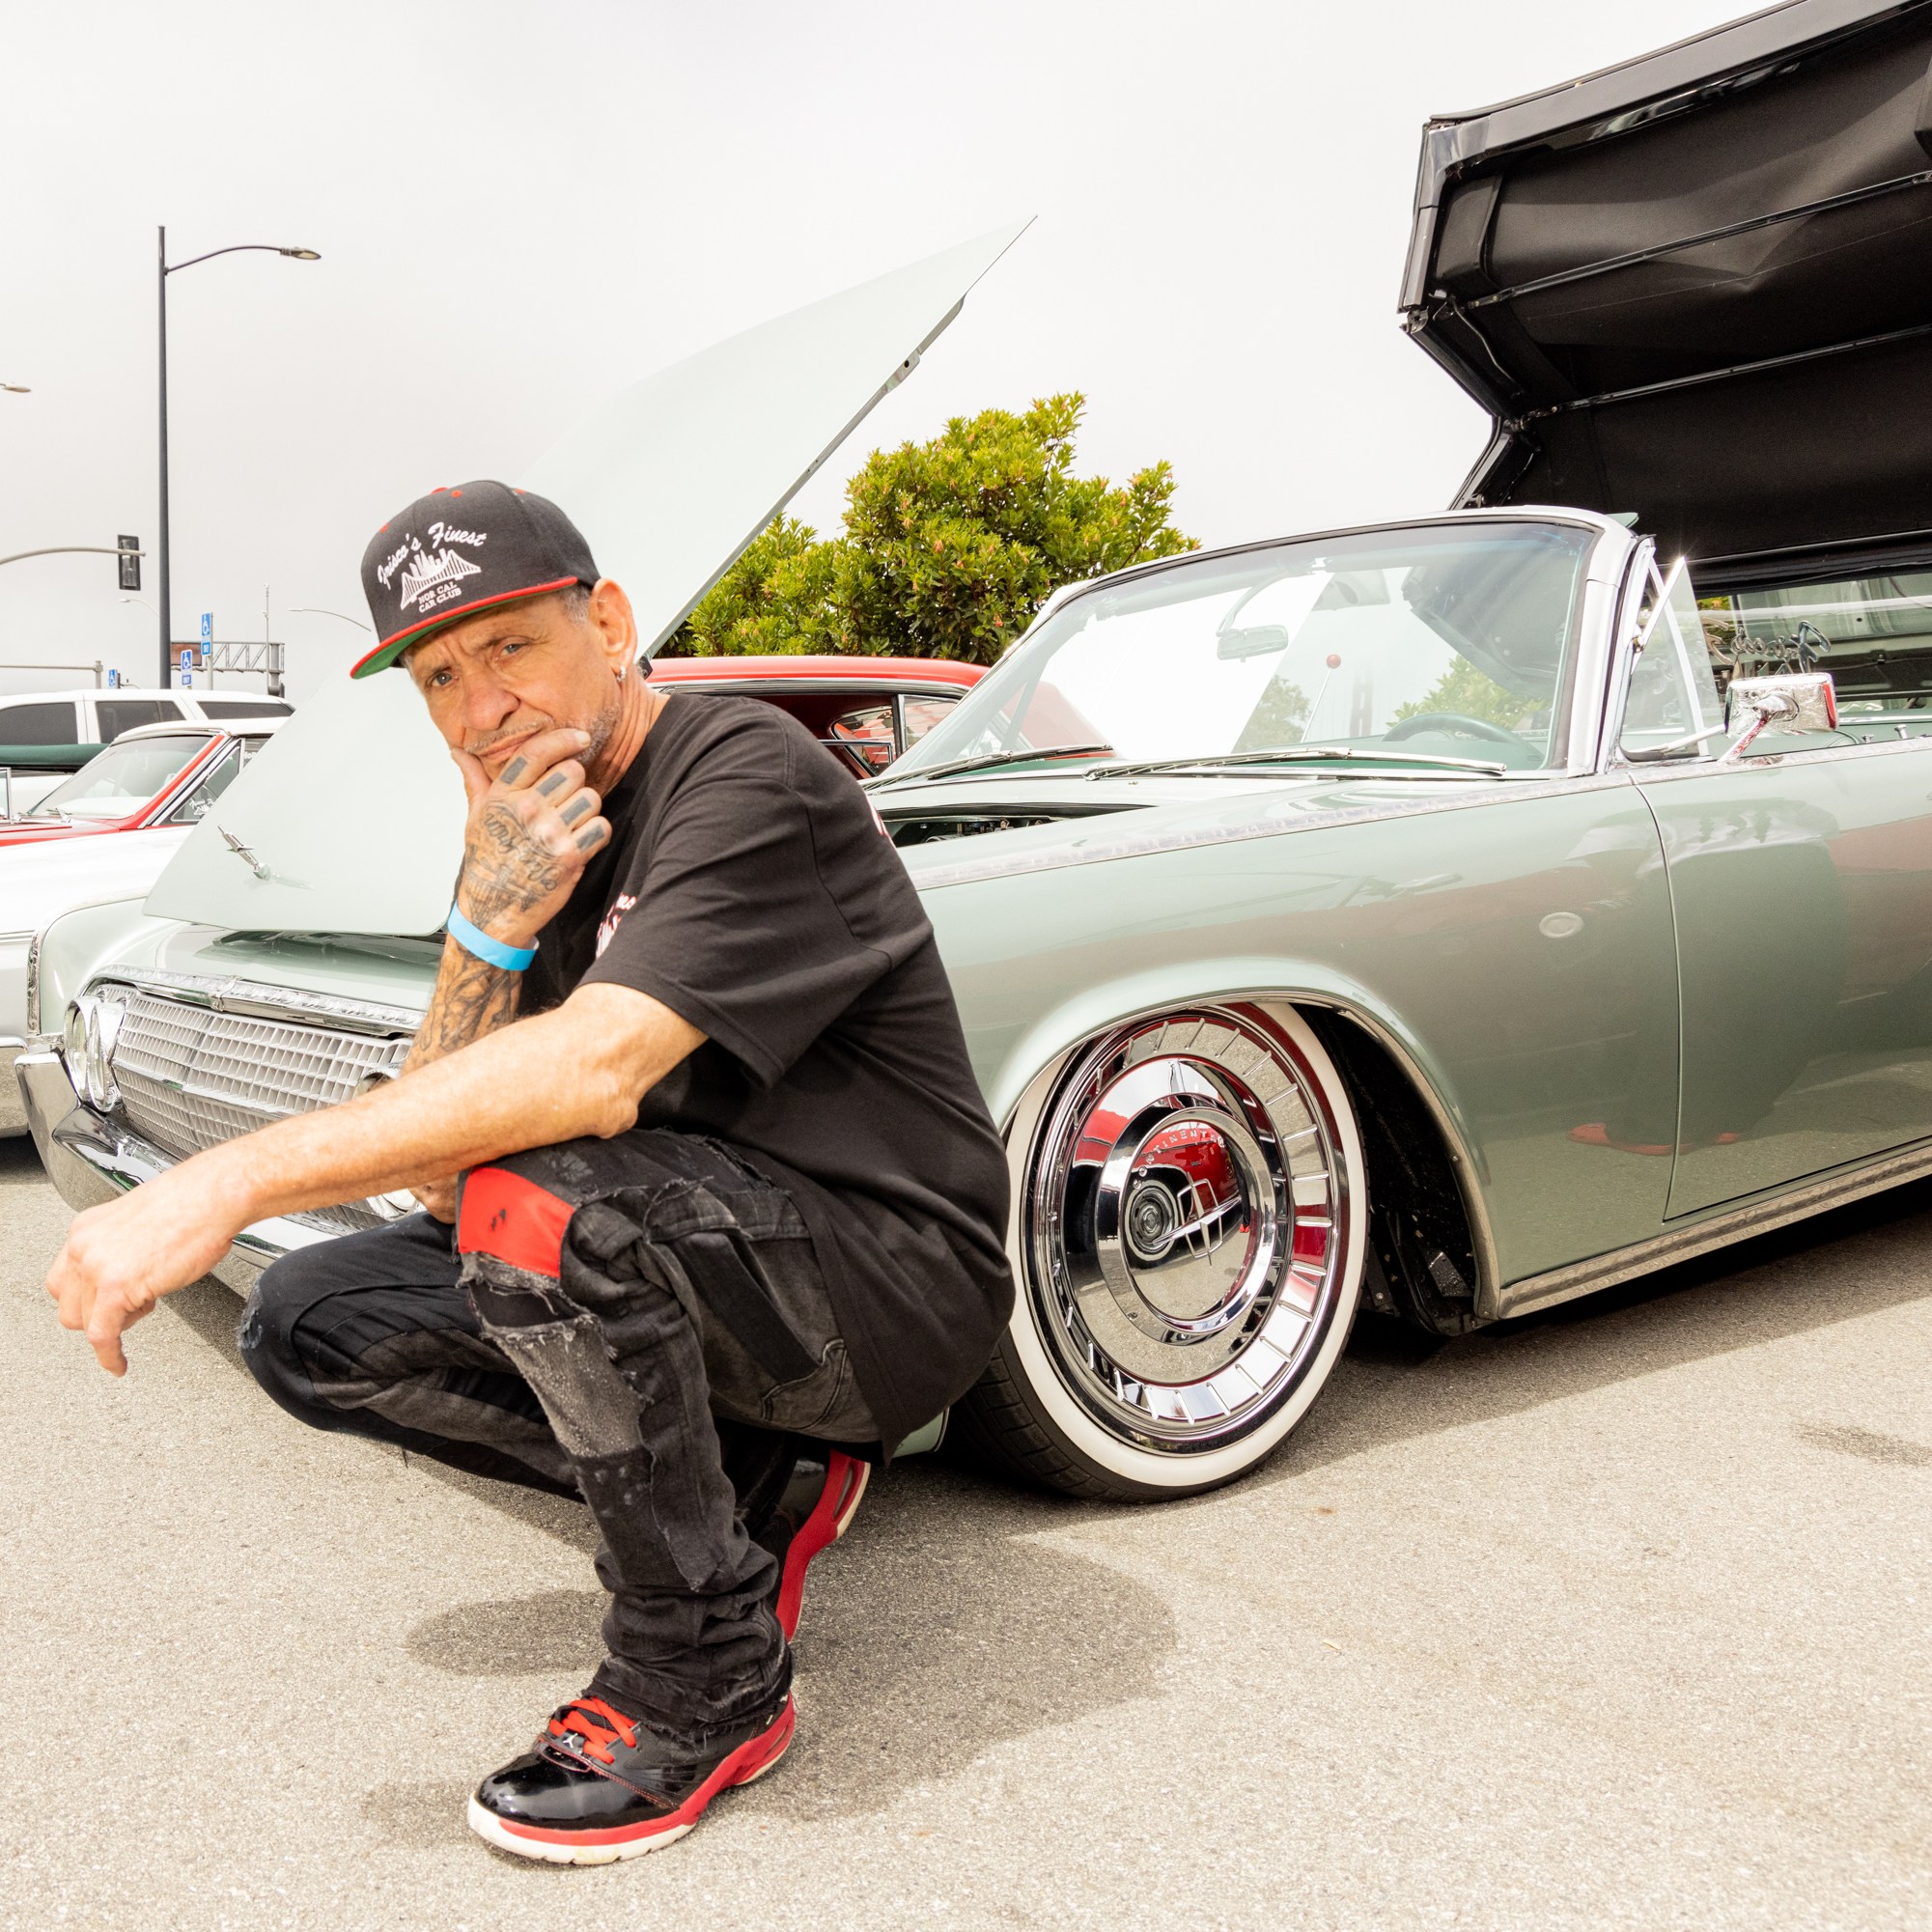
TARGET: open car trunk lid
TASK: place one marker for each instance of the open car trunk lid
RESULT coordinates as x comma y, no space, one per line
1698,286
352,822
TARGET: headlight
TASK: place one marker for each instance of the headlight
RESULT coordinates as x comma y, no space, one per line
88,1042
73,1038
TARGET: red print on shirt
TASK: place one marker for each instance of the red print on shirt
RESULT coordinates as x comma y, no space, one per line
613,919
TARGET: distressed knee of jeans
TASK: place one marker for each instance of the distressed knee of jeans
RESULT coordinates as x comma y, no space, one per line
651,1549
591,1407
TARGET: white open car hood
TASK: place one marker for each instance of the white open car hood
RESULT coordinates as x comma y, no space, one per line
353,819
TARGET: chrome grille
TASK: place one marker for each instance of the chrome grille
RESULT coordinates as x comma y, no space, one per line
191,1077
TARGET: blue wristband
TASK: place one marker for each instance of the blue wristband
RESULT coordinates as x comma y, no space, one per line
473,939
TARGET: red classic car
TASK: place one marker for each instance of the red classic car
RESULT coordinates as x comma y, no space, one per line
158,774
869,710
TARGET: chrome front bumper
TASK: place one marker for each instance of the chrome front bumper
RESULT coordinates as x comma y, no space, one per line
90,1160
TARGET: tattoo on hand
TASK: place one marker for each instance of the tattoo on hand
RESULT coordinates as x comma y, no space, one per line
506,869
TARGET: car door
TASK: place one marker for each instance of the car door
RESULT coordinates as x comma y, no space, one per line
1801,887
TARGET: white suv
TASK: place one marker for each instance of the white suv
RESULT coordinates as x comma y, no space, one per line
45,726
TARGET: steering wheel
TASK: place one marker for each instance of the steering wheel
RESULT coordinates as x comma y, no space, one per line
1454,722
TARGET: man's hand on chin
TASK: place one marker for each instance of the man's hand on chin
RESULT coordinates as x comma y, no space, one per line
120,1258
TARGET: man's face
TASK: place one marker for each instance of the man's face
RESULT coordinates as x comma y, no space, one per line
500,677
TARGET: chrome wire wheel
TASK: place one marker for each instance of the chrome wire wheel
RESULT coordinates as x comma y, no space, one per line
1188,1244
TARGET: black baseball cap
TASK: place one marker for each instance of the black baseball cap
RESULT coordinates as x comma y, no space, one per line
458,551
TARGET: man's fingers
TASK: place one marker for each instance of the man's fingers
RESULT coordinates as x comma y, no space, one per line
107,1349
535,756
592,835
559,781
579,805
110,1316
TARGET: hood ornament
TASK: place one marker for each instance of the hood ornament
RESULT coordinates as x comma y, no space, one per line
242,852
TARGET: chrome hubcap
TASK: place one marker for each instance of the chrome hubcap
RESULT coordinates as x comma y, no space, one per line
1185,1211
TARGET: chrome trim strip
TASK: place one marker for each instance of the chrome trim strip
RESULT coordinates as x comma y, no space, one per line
1709,764
34,1027
1683,1244
1058,858
34,983
234,994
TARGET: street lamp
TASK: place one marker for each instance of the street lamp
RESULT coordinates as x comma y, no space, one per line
163,270
314,610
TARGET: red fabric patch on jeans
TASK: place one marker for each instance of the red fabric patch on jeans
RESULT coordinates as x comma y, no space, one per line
511,1219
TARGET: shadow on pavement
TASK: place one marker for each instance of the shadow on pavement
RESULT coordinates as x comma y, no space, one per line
940,1627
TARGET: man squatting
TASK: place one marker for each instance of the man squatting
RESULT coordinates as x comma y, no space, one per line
714,1208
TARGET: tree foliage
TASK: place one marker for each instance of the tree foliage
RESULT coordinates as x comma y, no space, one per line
948,547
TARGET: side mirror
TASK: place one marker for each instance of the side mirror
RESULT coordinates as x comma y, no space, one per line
1803,701
1799,702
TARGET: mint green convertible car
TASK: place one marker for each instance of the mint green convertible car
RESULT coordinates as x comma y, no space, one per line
1450,916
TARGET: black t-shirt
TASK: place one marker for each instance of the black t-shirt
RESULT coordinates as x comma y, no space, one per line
750,886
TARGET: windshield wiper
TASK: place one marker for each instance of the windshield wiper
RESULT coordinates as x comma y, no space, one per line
1297,754
985,760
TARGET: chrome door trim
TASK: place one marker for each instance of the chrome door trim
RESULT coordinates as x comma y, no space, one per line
1719,1230
1821,754
228,994
1642,566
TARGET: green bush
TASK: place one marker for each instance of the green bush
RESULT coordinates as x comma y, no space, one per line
949,547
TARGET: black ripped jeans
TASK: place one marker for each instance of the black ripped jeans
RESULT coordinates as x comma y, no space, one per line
611,1300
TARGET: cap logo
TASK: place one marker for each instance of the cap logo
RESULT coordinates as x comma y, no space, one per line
430,577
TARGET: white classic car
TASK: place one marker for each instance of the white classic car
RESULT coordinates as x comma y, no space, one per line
104,834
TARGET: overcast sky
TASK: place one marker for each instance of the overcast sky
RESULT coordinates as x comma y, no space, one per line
521,208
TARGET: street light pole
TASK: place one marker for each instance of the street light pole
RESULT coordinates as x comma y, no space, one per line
161,273
165,599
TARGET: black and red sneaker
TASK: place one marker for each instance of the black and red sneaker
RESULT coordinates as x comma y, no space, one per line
598,1786
819,1498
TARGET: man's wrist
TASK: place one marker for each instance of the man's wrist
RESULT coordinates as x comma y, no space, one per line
223,1180
508,925
480,944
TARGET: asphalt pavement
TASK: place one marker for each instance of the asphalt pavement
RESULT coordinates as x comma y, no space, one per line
1615,1617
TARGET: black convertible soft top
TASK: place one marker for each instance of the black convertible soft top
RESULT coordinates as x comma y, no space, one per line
1698,286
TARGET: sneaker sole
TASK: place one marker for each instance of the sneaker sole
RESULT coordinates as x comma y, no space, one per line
831,1515
750,1762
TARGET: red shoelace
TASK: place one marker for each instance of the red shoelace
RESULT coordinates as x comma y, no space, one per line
590,1716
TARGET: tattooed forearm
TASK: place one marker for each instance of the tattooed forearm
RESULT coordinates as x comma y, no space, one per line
472,998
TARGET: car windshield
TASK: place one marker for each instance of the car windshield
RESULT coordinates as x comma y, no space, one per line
120,779
1449,641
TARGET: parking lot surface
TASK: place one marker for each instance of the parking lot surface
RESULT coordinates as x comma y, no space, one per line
1615,1618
